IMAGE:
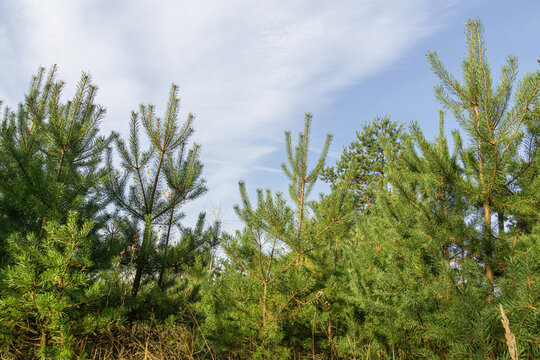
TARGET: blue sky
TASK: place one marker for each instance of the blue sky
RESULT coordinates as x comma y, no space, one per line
250,69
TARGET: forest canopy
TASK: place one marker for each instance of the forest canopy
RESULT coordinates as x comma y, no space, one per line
423,248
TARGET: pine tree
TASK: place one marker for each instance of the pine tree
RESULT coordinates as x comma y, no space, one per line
301,184
46,292
155,183
494,121
431,269
267,293
195,246
367,156
50,158
403,275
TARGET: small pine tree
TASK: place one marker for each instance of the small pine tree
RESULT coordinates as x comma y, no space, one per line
155,183
267,293
46,291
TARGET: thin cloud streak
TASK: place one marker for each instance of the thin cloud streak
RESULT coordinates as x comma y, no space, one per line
244,67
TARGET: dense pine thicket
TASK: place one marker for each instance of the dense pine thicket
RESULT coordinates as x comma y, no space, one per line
422,249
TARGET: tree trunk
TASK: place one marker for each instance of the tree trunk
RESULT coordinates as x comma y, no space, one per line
162,270
142,256
137,281
488,246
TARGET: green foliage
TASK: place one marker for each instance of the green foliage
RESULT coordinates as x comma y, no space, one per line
493,117
432,270
50,158
188,263
367,159
47,290
413,253
418,281
267,299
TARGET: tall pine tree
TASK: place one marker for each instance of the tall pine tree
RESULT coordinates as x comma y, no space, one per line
432,269
496,120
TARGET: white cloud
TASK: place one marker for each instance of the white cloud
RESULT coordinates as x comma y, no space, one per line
243,66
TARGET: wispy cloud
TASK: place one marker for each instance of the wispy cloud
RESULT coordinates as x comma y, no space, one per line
243,66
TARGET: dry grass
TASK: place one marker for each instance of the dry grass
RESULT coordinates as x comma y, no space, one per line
133,342
510,338
140,341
